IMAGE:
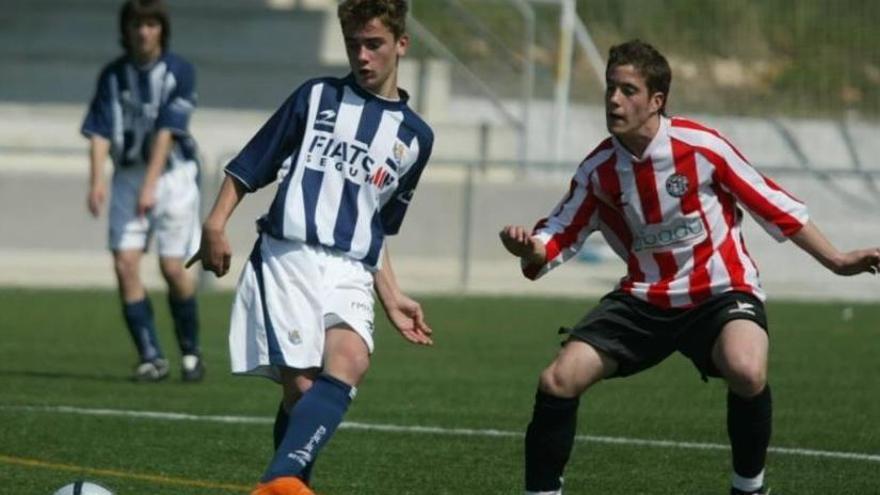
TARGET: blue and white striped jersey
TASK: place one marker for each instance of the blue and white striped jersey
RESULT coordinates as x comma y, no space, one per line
132,103
347,161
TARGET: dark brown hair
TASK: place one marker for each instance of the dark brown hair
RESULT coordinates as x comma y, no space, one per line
650,63
355,14
137,10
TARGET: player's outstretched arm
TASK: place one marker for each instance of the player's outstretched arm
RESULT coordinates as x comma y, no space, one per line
99,149
519,242
214,251
404,313
811,240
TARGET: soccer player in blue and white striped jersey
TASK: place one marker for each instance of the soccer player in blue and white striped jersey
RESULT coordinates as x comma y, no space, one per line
347,155
140,116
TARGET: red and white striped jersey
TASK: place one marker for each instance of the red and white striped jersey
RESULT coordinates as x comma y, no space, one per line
672,215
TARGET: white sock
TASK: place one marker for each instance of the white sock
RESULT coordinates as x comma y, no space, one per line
557,492
748,484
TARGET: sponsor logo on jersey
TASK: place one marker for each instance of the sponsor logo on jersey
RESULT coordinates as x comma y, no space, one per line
349,157
659,236
326,117
677,185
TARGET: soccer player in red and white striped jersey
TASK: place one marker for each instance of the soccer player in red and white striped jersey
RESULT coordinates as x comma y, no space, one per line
666,194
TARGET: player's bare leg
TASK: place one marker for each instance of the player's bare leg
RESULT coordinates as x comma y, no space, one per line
550,434
127,266
138,313
740,353
346,356
184,312
181,282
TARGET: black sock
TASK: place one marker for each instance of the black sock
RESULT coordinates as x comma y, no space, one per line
282,418
549,439
749,424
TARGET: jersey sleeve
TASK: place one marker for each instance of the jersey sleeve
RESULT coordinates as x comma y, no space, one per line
778,212
258,162
394,210
99,117
177,108
564,231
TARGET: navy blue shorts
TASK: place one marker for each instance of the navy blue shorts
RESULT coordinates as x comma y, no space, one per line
639,335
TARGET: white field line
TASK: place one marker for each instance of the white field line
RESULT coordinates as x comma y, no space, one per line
432,430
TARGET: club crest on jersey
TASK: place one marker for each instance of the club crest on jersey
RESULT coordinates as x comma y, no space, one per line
677,185
398,151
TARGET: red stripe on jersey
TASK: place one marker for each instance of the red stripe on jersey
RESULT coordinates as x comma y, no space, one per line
543,221
614,220
775,187
732,261
756,202
690,124
567,237
612,216
658,293
604,145
646,184
686,165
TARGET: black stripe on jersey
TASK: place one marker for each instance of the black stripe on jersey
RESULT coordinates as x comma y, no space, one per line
328,108
311,187
371,116
346,222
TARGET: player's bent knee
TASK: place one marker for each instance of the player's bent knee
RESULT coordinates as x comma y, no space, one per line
554,381
347,365
747,379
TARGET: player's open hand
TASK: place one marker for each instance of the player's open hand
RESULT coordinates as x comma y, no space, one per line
859,261
95,200
520,243
214,252
407,316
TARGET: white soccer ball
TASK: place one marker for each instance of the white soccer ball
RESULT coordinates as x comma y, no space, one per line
82,488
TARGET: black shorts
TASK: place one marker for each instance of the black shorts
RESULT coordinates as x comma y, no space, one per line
639,335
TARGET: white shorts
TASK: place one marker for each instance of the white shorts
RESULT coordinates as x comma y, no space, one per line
288,294
174,219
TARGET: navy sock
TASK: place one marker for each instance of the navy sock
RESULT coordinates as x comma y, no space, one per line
139,319
186,323
313,420
749,425
282,419
549,440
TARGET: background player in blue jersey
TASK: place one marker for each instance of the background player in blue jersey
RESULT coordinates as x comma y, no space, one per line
140,117
347,155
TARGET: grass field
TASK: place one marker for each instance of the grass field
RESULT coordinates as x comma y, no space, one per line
65,358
